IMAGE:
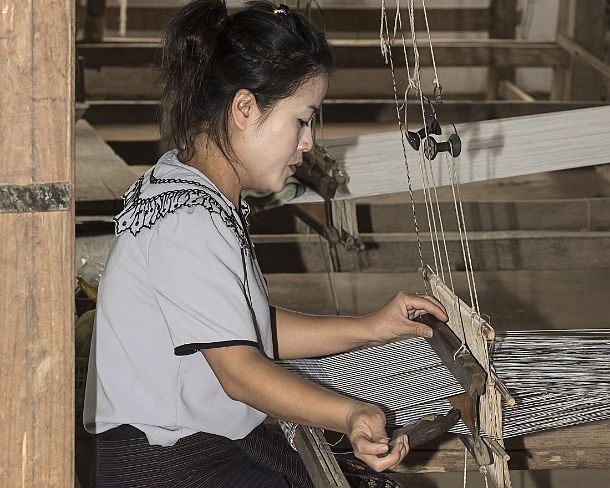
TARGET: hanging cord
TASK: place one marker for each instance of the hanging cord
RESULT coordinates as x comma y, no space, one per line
438,88
413,85
428,172
434,241
426,177
386,51
431,172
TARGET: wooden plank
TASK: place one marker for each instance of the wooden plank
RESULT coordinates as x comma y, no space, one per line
318,459
332,19
576,214
386,215
36,295
515,300
362,53
15,163
491,251
101,176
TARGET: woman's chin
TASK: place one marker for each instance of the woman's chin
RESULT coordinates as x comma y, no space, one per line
280,185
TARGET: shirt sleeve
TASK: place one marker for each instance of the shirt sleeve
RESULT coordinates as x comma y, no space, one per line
196,269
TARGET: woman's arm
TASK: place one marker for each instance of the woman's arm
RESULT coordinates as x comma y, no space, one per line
302,335
249,377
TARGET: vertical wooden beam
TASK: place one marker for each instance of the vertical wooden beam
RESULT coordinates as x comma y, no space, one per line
36,244
503,21
584,22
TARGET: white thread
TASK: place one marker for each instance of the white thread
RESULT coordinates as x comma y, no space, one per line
465,462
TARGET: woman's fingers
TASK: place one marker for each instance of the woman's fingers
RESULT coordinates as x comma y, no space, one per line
369,447
435,301
425,304
391,459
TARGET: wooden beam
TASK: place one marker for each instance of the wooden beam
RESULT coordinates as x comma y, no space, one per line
101,175
510,91
361,53
351,110
584,23
579,52
36,258
491,251
589,448
351,20
503,20
516,300
316,454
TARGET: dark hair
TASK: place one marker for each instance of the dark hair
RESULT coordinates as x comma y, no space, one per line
208,56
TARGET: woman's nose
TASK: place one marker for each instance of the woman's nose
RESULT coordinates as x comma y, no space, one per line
306,142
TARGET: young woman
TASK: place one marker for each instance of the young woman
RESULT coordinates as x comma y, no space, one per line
181,375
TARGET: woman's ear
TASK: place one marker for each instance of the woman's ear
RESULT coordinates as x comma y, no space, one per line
244,109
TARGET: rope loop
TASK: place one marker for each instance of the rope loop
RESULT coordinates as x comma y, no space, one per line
460,352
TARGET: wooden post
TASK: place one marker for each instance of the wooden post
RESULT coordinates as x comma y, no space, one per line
36,244
502,25
584,23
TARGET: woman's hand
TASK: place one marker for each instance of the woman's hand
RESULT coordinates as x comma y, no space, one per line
366,432
397,317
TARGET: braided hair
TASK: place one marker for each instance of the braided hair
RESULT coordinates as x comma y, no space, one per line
208,56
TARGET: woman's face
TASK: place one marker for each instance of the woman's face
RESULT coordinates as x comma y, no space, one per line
271,148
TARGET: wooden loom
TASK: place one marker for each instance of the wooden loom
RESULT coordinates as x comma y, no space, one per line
552,155
486,161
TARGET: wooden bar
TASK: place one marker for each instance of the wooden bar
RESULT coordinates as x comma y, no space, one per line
362,53
579,52
503,21
318,459
582,22
36,283
516,300
101,176
588,447
332,19
351,110
491,251
462,365
510,91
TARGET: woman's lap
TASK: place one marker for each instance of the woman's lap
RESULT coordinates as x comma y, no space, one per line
261,459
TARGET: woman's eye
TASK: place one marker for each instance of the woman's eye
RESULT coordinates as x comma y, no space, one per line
304,123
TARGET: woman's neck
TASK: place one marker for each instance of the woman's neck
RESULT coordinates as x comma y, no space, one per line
208,159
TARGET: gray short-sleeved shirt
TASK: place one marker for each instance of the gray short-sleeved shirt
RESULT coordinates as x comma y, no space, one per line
179,277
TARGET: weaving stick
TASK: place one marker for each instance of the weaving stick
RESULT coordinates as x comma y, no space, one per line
463,318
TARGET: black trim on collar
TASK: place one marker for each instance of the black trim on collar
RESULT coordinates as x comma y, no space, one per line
186,349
